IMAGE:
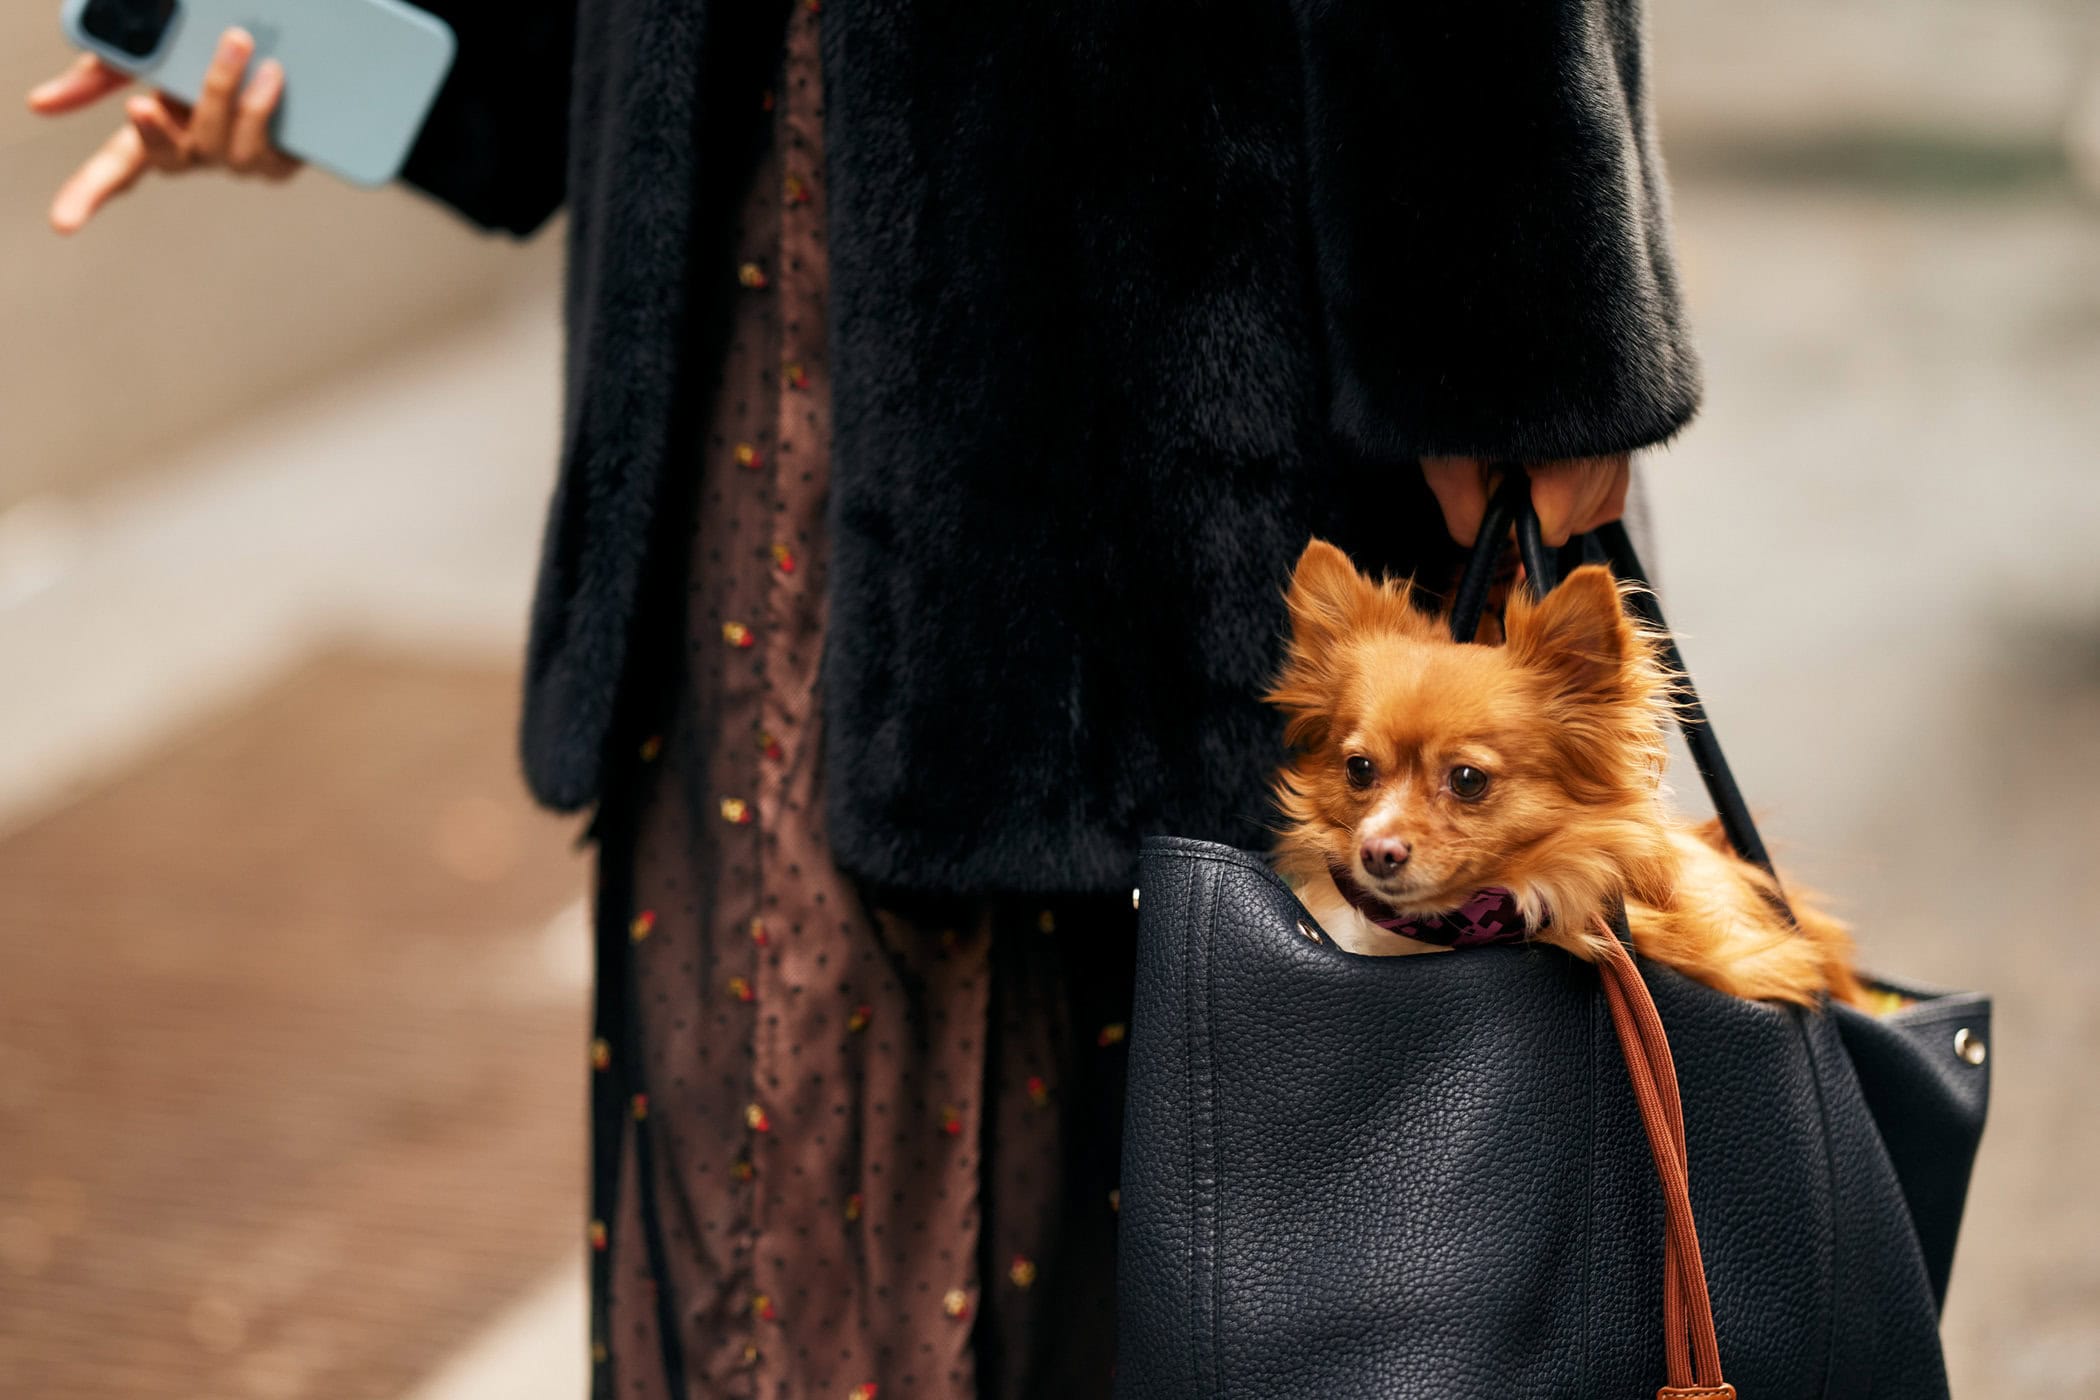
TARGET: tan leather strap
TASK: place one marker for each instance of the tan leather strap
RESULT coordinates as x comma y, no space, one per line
1691,1351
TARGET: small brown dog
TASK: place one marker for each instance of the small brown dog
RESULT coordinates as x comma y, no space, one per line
1456,791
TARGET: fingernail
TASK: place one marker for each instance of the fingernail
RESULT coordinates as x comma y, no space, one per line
268,75
235,43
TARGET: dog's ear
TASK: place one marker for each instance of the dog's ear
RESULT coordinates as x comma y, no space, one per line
1330,602
1578,635
1325,596
1328,598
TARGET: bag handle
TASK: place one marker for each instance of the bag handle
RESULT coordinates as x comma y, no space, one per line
1510,507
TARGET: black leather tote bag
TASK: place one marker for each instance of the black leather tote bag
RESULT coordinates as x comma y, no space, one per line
1350,1176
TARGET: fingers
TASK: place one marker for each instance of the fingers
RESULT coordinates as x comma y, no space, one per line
1571,497
1579,494
248,148
160,133
88,79
229,125
1554,488
1611,504
1460,487
109,172
211,123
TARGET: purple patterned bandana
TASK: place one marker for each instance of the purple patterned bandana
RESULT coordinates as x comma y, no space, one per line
1490,916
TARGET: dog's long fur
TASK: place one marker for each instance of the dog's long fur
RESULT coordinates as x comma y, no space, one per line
1566,719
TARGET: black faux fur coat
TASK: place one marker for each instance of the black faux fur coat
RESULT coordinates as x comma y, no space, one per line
1128,297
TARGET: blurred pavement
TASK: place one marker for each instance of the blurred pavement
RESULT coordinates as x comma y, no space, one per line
292,1037
1879,537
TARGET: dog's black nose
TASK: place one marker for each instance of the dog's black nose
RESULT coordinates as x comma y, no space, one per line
1384,854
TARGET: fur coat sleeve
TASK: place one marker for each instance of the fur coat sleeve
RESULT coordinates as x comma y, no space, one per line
495,145
1491,229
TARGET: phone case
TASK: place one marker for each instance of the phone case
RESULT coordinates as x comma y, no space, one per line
359,75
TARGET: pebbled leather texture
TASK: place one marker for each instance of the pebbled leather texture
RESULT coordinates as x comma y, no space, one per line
1929,1105
1394,1177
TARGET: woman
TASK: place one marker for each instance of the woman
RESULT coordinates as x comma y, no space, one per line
957,383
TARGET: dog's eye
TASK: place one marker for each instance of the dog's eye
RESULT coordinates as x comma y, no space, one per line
1468,783
1361,770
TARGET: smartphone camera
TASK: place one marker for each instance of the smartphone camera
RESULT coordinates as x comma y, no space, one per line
133,27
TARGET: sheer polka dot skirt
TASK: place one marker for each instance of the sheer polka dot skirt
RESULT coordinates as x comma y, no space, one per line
840,1150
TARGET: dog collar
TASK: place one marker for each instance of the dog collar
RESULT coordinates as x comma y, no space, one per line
1490,916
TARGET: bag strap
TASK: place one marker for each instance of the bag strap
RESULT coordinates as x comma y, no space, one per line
1505,502
1691,1347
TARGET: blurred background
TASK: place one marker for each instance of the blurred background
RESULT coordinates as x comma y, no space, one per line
292,976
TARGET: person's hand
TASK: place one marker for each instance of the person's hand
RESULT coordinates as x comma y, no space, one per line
1571,497
229,128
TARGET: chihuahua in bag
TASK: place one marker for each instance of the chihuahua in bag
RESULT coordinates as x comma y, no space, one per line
1443,794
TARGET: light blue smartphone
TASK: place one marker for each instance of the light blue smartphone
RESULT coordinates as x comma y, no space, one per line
359,75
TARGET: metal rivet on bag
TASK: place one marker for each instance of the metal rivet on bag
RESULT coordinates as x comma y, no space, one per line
1969,1046
1309,933
1133,896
